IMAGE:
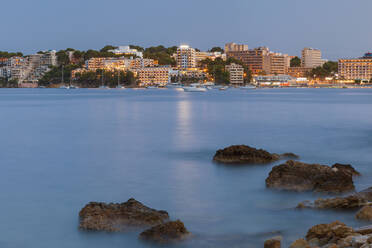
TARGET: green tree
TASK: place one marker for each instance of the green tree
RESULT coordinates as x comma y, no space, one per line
107,48
62,57
138,48
217,49
295,62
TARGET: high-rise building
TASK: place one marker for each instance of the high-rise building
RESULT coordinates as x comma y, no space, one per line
153,75
233,47
311,58
254,59
276,63
186,57
236,73
352,69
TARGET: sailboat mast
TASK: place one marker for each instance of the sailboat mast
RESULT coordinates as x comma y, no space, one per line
62,74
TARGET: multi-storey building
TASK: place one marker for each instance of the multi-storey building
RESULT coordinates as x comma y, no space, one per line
153,76
209,55
233,47
95,63
276,63
353,69
298,72
311,58
126,50
186,57
254,59
140,62
236,73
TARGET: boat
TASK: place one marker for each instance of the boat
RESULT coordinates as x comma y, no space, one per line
152,87
73,87
248,87
103,87
174,86
194,89
120,87
64,87
224,88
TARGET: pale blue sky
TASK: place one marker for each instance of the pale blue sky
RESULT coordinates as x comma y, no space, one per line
340,28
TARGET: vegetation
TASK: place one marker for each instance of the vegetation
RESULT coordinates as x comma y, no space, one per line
5,83
54,76
9,55
329,69
295,62
93,79
162,54
217,49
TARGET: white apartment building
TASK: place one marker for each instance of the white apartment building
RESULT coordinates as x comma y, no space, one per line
126,50
186,57
233,47
311,58
236,73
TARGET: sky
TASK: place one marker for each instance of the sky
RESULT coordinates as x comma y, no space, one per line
340,28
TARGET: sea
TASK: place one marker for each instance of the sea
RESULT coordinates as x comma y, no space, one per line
61,149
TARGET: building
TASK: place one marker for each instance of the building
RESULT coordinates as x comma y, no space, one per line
354,69
186,57
236,73
254,59
140,62
153,76
276,63
298,72
311,58
126,50
209,55
274,80
233,47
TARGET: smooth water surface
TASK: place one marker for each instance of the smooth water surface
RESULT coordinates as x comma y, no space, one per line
61,149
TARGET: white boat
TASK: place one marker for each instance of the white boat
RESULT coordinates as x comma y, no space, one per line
104,87
194,89
152,87
120,87
64,87
73,87
224,88
248,87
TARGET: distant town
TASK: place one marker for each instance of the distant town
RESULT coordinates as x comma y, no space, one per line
235,65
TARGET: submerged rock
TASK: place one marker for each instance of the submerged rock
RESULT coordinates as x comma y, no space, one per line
166,233
274,242
298,176
365,213
300,243
242,154
115,217
329,233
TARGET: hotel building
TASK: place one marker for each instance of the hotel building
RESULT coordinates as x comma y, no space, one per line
126,50
352,69
254,59
186,57
236,73
276,63
233,47
153,76
311,58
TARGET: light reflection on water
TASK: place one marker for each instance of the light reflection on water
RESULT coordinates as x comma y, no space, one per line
61,149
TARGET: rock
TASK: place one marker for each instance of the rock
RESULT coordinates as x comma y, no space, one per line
289,155
365,213
166,233
119,217
349,202
346,168
298,176
360,240
329,233
300,243
364,230
274,242
241,154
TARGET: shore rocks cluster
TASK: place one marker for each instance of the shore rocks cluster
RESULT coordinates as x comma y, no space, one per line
115,217
298,176
242,154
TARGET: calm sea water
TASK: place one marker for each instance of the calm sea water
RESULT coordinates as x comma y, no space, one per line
61,149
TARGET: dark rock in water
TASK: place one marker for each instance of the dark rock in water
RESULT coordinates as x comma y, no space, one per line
274,242
241,154
166,233
329,233
349,202
298,176
115,217
364,230
347,168
289,155
365,213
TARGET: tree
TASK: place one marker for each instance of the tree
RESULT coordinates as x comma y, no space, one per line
62,57
107,48
138,48
162,54
328,69
217,49
295,62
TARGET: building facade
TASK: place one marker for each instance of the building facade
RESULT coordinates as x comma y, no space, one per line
354,69
236,73
311,58
233,47
148,76
276,63
254,59
126,50
186,57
